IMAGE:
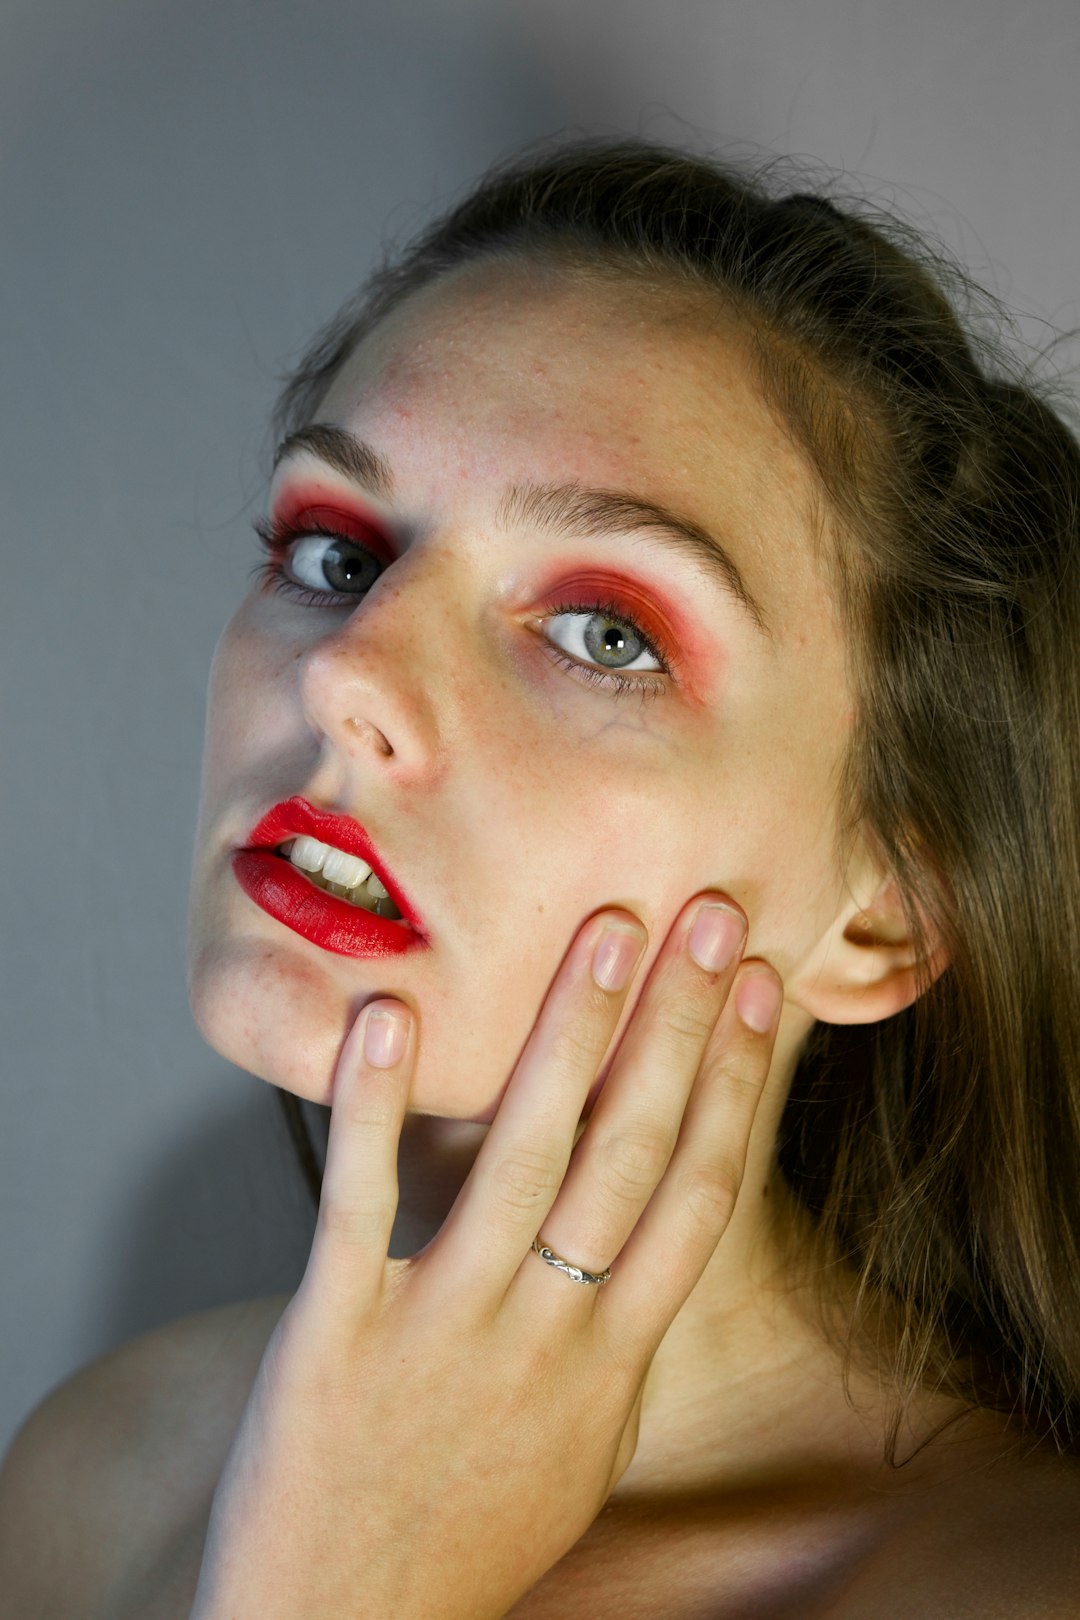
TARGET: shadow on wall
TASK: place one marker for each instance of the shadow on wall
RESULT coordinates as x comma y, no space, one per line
226,1216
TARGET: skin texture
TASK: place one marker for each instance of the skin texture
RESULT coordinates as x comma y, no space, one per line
514,802
516,799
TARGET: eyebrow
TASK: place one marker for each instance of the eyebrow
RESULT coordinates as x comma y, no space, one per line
344,453
568,510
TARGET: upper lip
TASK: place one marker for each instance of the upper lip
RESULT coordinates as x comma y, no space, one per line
296,816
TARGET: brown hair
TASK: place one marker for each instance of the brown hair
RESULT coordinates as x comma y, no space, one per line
939,1150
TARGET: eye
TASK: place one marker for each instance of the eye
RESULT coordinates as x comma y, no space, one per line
316,559
609,637
596,635
603,634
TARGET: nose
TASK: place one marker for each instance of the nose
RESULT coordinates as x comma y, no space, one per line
377,687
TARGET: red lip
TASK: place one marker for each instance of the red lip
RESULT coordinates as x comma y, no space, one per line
285,893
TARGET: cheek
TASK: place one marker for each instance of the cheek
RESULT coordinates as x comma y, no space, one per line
251,698
748,809
782,840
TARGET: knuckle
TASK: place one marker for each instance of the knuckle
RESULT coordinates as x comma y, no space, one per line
526,1179
709,1192
374,1101
690,1022
739,1075
371,1113
358,1220
630,1162
577,1045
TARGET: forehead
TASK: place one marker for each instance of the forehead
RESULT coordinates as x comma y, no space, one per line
518,369
633,365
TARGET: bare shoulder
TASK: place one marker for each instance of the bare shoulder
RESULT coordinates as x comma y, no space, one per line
1000,1543
136,1438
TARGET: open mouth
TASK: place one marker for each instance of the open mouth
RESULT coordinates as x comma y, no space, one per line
346,876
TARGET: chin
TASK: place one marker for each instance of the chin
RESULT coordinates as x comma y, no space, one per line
263,1020
272,1013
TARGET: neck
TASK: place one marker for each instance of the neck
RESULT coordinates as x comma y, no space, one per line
746,1383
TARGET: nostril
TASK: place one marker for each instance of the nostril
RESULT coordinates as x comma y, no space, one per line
361,725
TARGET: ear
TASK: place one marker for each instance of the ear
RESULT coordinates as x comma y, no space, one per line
863,968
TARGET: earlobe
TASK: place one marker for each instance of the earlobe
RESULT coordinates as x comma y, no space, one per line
865,967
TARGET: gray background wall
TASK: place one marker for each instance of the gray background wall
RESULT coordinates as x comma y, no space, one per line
187,187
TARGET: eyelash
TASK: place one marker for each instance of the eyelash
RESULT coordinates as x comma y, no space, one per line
276,538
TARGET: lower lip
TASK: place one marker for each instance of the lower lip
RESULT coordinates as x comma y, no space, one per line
283,892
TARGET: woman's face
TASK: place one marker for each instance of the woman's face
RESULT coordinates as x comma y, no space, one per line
437,688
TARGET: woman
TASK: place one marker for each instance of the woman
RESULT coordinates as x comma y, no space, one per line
640,799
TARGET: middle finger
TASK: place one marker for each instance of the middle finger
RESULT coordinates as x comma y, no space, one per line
632,1131
520,1167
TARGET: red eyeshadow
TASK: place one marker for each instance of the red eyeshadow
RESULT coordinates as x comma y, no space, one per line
300,504
694,655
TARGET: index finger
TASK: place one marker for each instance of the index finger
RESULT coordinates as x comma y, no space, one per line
359,1195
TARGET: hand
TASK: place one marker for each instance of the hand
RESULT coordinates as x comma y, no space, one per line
428,1437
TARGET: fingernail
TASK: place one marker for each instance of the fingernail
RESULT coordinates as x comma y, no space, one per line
615,957
716,936
757,1001
384,1037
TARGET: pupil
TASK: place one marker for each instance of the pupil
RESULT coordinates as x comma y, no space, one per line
605,637
343,566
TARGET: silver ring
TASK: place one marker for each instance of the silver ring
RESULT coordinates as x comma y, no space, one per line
577,1273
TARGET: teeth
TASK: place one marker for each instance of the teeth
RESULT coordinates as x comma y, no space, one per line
307,853
344,875
348,870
